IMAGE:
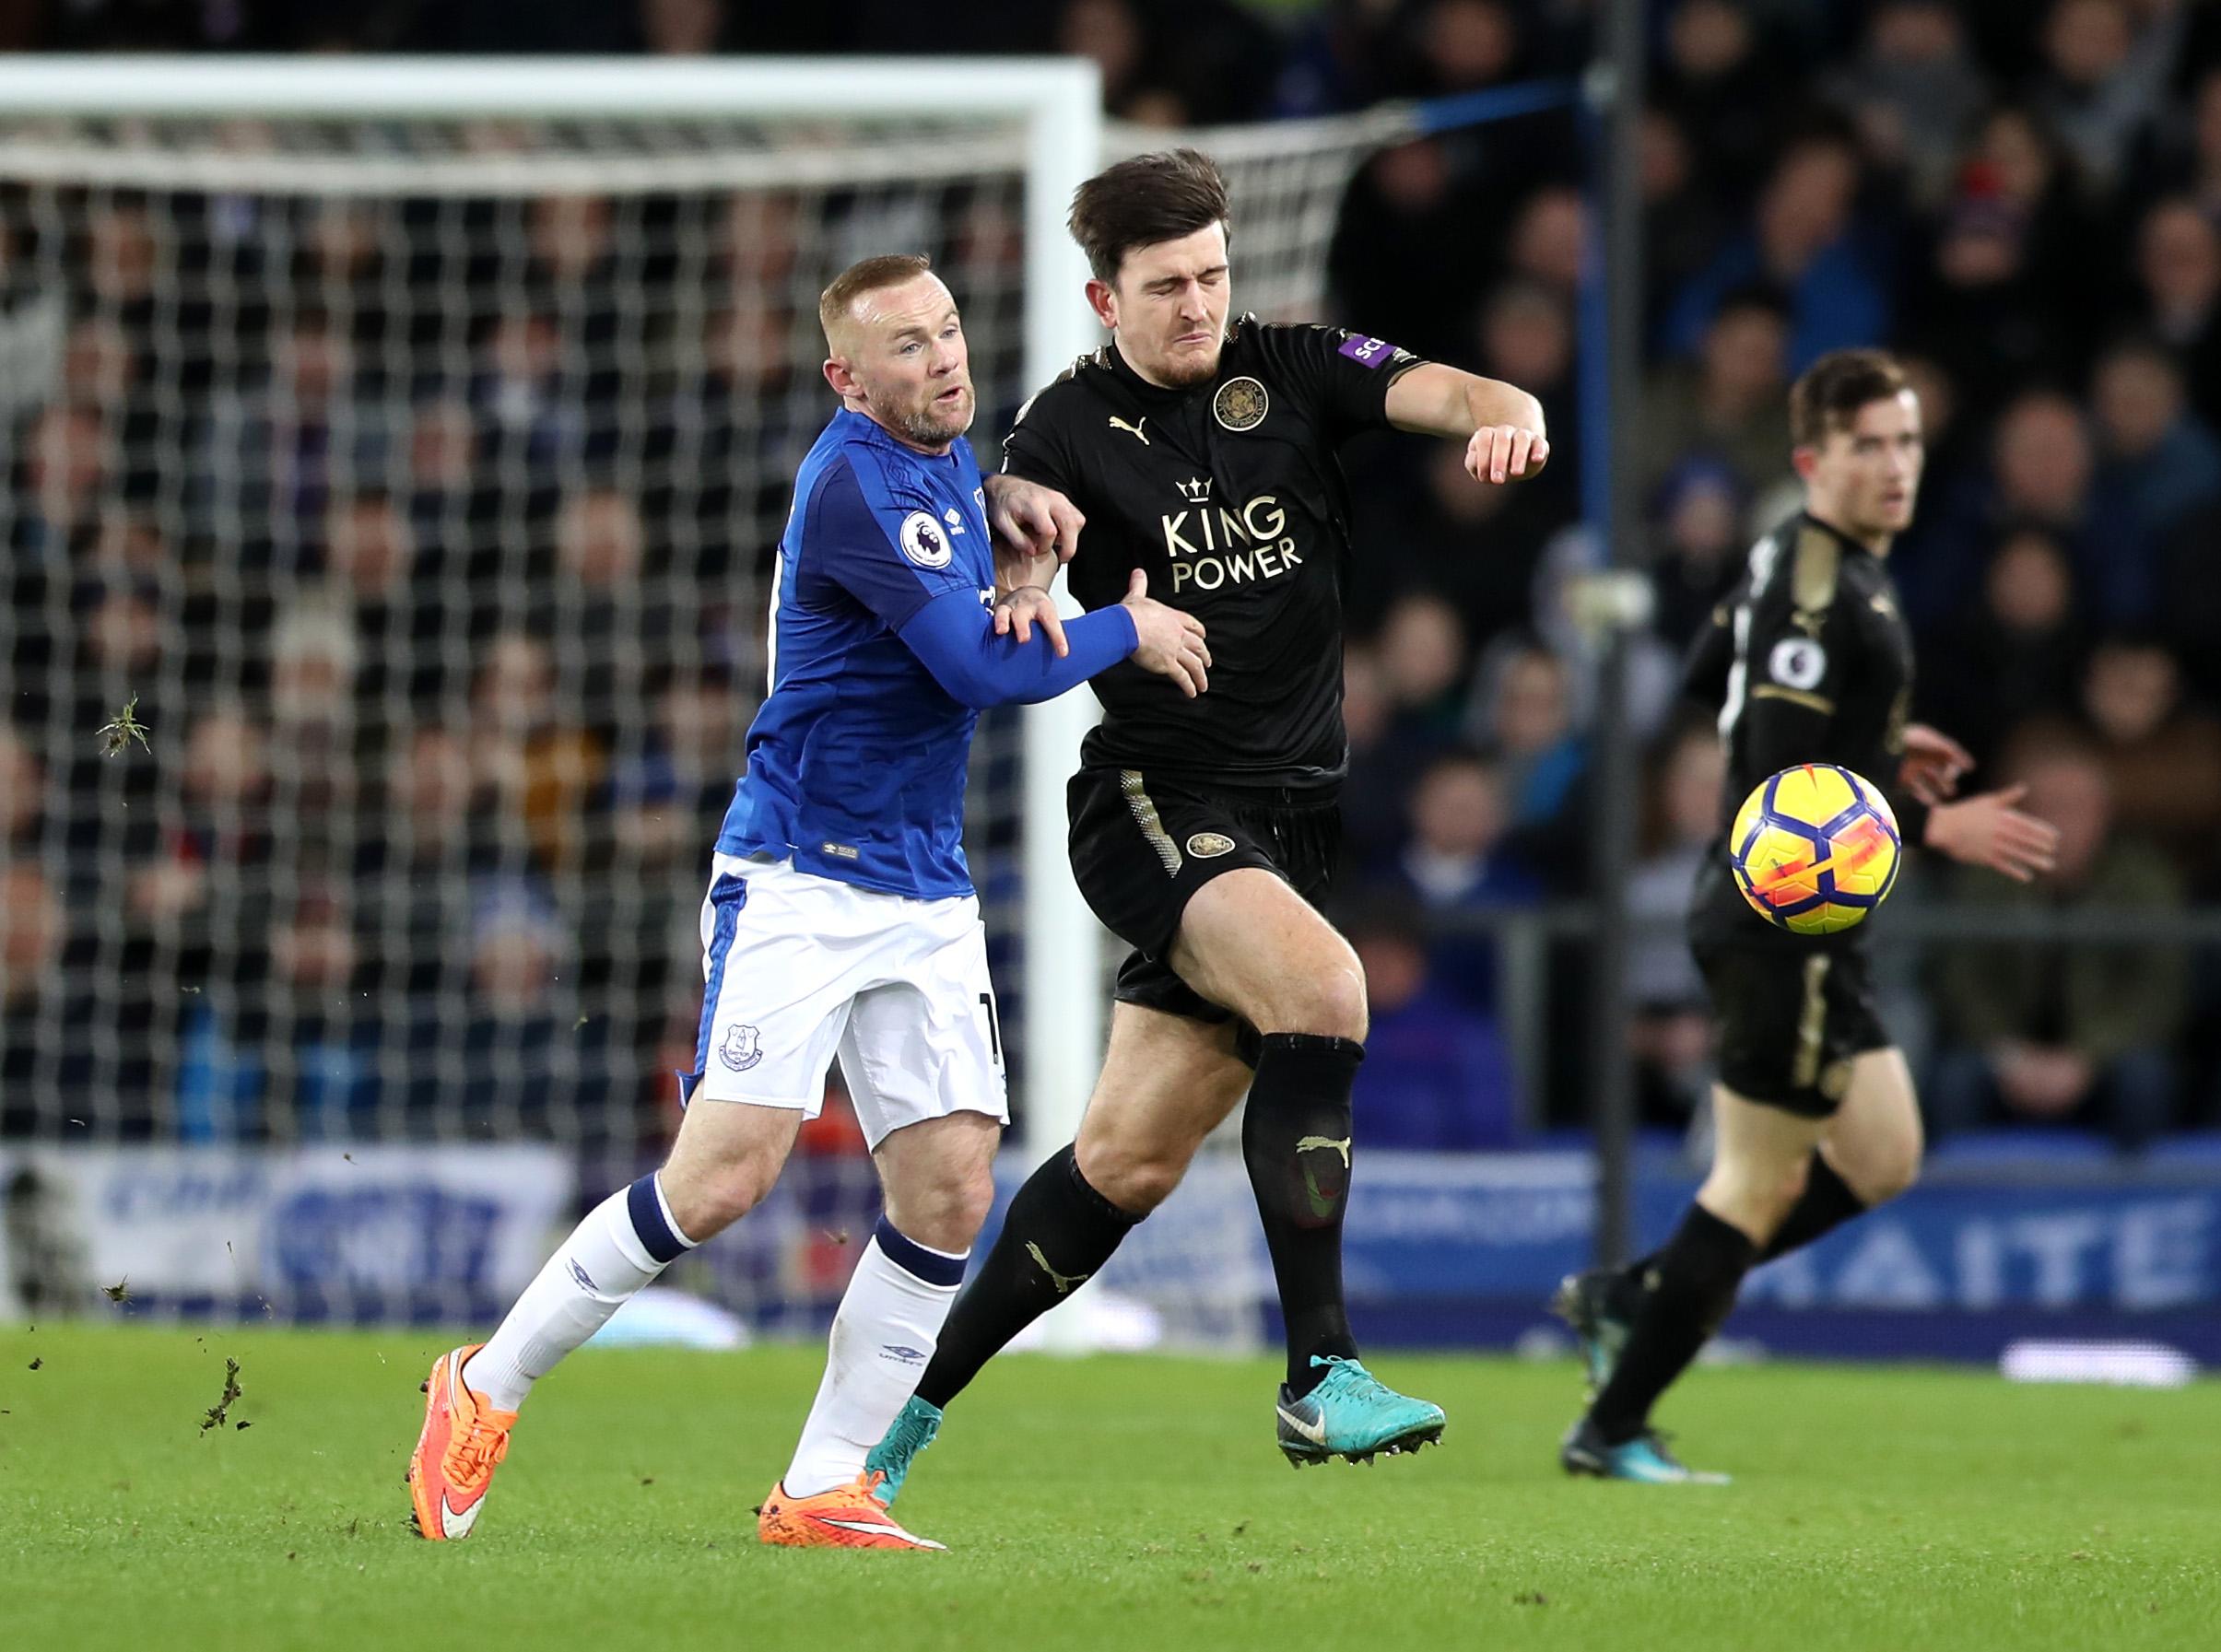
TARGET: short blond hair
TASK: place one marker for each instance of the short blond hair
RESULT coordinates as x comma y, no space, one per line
866,275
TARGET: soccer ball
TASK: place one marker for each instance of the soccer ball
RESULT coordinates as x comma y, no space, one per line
1815,849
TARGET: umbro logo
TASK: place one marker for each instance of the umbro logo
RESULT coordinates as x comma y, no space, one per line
1134,430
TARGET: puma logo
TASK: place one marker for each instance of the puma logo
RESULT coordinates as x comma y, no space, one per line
1305,1144
1133,431
1323,1201
1064,1282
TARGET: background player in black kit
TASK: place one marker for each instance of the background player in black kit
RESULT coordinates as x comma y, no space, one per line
1204,830
1815,1116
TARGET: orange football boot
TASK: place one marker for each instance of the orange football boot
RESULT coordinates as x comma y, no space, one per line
463,1440
848,1517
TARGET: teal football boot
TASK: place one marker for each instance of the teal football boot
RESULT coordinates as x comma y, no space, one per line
912,1431
1598,1306
1644,1459
1351,1413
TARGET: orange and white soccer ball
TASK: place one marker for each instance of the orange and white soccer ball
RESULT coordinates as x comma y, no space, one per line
1815,849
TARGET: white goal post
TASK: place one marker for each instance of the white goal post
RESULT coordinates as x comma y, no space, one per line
1058,102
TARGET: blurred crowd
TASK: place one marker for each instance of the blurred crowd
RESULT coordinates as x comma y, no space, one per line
452,610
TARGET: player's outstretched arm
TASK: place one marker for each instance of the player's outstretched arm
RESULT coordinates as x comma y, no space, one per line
959,642
1506,440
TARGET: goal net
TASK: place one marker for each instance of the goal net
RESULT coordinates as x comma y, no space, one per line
389,517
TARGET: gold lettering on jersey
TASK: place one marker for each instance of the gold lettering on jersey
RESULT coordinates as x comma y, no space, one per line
1216,546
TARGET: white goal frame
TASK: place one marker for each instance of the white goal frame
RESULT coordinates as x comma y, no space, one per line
1059,102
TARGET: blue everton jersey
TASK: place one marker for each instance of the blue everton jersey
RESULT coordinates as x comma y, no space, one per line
856,762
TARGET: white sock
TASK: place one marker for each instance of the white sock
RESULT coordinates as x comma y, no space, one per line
890,1321
624,1242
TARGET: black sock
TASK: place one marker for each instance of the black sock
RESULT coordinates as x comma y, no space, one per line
1827,1203
1058,1232
1296,1140
1697,1277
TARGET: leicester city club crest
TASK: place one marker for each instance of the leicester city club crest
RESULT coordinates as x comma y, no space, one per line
1240,404
743,1047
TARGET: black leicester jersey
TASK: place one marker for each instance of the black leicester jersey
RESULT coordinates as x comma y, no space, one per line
1810,661
1229,497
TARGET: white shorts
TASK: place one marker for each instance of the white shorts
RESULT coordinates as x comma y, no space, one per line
797,966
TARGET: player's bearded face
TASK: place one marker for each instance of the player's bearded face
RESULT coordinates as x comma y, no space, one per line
1865,477
1170,307
912,363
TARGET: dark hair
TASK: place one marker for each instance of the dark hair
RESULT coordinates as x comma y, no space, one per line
869,275
1760,296
1141,202
1829,395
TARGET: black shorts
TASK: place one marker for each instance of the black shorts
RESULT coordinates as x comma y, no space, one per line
1141,848
1790,1022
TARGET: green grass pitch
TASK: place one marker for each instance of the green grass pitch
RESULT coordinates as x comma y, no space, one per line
1113,1502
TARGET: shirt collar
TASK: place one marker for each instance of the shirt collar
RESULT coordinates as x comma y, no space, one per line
857,427
1807,519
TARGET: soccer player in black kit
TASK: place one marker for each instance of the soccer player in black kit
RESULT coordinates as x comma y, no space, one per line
1815,1117
1201,452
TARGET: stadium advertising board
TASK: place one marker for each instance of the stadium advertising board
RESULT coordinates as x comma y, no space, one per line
1959,1264
313,1232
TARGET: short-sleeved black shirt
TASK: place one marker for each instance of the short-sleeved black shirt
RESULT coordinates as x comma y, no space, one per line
1810,661
1229,497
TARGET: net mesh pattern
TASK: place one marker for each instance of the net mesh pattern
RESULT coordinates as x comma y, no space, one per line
388,515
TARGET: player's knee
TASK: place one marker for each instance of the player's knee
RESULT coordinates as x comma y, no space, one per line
1755,1198
948,1216
1136,1181
1883,1175
1328,1001
1142,1185
708,1201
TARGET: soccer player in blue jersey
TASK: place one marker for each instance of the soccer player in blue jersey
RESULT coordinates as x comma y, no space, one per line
840,917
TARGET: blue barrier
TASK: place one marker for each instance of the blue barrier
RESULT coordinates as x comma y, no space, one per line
1463,1252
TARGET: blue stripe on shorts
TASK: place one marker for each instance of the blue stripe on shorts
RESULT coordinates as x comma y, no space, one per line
729,894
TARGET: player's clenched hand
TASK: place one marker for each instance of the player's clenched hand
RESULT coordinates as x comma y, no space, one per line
1506,453
1990,831
1171,642
1933,762
1027,607
1032,521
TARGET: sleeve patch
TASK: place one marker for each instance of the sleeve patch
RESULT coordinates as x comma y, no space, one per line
1368,352
924,540
1798,661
